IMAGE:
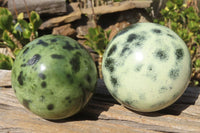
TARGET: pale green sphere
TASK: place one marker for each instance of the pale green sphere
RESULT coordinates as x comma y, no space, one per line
146,67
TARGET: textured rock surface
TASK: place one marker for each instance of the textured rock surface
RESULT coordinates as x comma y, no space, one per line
54,77
146,67
64,30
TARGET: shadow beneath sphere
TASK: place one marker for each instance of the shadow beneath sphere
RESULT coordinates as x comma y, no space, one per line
188,98
100,102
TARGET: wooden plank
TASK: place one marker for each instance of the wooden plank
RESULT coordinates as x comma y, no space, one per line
53,22
40,6
117,7
56,21
76,13
5,78
103,115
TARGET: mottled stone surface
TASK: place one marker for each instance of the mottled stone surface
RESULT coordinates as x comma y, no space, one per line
146,67
54,77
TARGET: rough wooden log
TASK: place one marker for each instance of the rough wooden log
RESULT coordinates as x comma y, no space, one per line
56,21
53,22
40,6
99,10
117,6
5,78
103,115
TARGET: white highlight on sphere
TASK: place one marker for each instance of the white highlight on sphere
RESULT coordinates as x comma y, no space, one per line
42,67
139,56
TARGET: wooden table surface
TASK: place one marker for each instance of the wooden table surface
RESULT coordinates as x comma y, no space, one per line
103,115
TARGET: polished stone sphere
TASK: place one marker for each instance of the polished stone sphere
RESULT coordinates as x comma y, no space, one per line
54,77
146,67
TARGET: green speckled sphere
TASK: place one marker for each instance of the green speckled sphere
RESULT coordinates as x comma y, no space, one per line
54,77
146,67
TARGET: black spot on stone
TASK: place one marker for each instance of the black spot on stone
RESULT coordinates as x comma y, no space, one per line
26,50
52,93
150,68
23,65
157,31
138,37
68,99
114,81
151,73
132,37
69,78
174,73
138,68
109,64
26,103
42,76
43,84
57,56
131,27
163,89
50,107
124,50
43,43
86,62
171,36
161,54
34,59
112,50
141,38
54,40
75,63
20,78
138,44
67,46
89,79
179,54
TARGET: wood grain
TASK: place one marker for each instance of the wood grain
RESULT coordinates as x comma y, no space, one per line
117,7
53,22
40,6
5,78
104,115
76,12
